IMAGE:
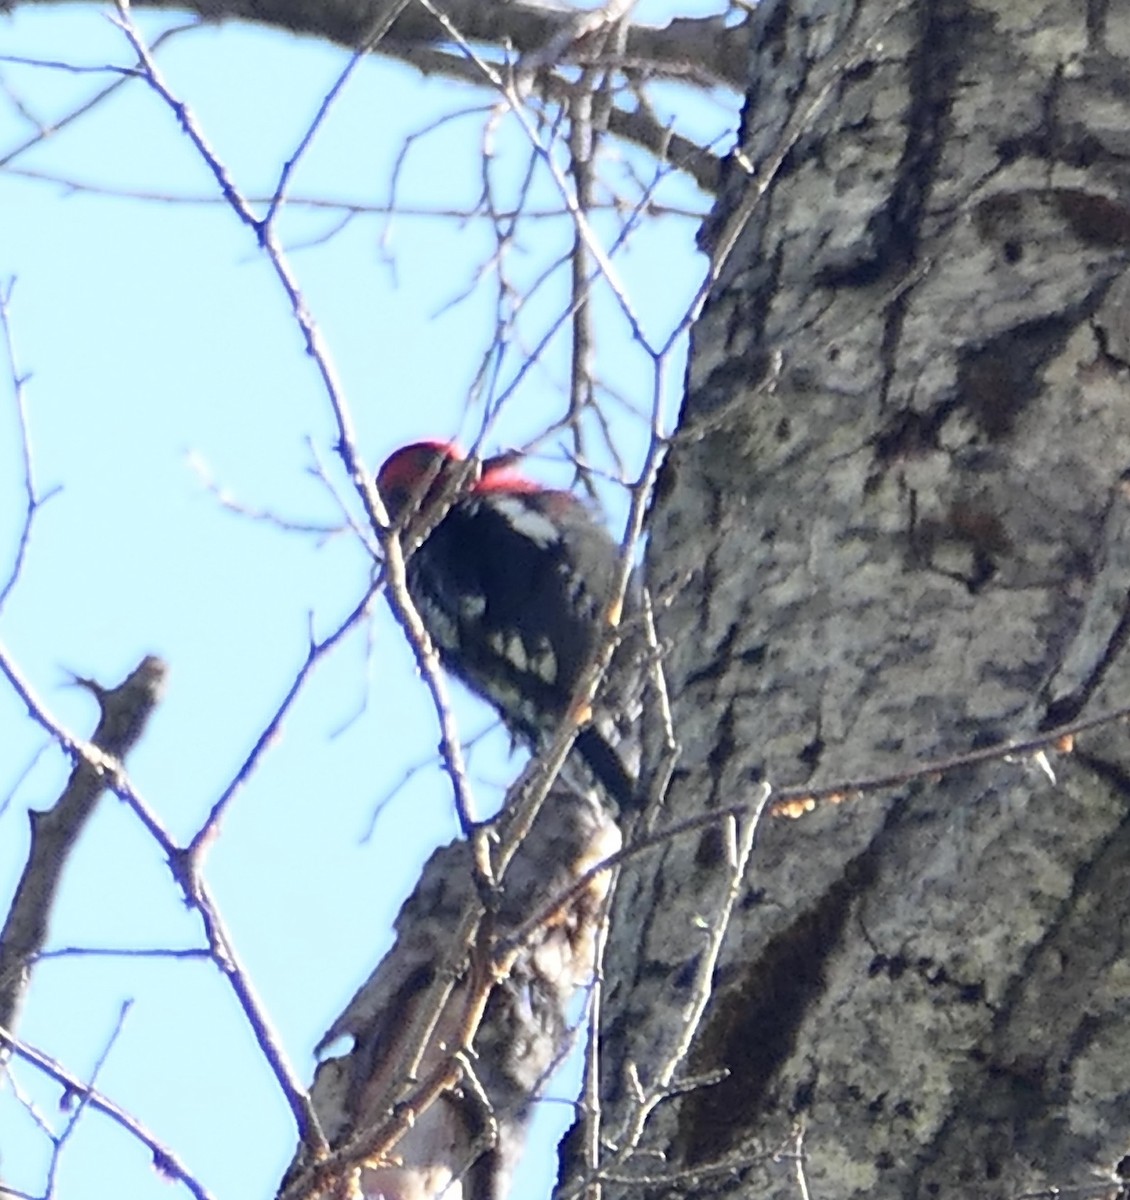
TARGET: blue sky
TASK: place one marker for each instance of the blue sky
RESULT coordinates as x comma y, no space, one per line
160,348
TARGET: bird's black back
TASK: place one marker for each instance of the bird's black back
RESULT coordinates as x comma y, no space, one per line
512,587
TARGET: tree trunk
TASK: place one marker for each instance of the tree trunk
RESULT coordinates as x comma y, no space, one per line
895,528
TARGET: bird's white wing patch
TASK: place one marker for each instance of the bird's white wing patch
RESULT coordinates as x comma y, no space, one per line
543,662
472,605
527,520
536,660
510,647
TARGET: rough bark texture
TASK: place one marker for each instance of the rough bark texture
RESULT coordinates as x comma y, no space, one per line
443,989
908,433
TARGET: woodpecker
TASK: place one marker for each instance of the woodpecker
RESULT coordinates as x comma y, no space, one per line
512,583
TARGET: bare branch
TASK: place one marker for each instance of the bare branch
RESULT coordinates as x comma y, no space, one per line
381,25
33,501
706,47
187,952
346,207
638,125
260,515
125,711
125,73
164,1160
661,1071
105,770
436,995
84,1102
363,484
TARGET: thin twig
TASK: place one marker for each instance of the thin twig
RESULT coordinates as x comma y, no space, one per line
164,1160
76,1113
376,513
410,773
347,208
186,952
743,832
387,15
264,516
584,228
316,651
798,800
126,73
107,771
32,500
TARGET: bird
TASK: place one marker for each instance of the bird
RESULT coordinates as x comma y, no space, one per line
514,583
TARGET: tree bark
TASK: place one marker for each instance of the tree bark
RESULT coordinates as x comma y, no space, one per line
895,527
